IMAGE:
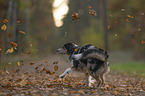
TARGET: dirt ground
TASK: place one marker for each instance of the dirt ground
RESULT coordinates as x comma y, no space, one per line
41,78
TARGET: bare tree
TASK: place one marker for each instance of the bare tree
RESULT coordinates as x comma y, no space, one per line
14,21
27,19
8,23
103,12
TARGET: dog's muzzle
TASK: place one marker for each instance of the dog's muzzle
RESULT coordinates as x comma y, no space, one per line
61,51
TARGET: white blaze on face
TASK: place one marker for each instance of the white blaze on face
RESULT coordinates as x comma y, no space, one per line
60,9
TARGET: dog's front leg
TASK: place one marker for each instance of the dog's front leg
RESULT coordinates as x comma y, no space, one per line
68,70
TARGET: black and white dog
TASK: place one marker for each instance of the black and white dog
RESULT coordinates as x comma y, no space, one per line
87,59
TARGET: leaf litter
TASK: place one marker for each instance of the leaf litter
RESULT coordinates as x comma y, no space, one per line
48,83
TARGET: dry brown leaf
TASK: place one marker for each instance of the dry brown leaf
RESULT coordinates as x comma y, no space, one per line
2,72
142,42
14,45
90,7
127,20
50,73
55,62
9,35
22,32
18,63
5,21
43,68
28,52
5,67
130,16
108,26
13,70
18,21
81,91
4,27
32,63
45,61
55,67
7,72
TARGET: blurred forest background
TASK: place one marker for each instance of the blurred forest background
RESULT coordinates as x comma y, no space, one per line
125,25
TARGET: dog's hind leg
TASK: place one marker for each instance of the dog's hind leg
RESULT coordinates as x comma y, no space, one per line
102,78
87,79
68,70
99,81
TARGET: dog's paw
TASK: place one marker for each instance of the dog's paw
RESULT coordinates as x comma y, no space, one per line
62,76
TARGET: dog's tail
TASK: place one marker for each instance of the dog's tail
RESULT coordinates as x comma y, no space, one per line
92,53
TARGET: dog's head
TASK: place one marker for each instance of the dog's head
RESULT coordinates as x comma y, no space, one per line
67,48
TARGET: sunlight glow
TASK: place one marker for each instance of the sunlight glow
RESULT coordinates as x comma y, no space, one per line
60,9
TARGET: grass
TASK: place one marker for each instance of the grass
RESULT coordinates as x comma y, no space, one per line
130,68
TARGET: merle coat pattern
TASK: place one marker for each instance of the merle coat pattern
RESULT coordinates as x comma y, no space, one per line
87,59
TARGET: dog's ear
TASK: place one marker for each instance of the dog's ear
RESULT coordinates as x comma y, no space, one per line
69,47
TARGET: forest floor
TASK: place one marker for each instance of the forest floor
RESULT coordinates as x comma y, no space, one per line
41,78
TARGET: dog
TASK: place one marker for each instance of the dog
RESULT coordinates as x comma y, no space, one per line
88,59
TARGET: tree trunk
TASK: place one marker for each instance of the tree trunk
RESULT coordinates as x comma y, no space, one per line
14,22
8,23
103,13
27,21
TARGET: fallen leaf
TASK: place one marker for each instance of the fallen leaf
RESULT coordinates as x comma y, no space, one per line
116,21
5,21
142,42
43,68
79,83
22,32
44,50
10,51
18,63
18,21
32,63
81,91
130,16
115,92
90,7
7,72
55,67
9,35
75,16
2,72
28,52
55,62
5,67
92,12
127,20
13,70
4,27
50,73
14,45
108,26
45,61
